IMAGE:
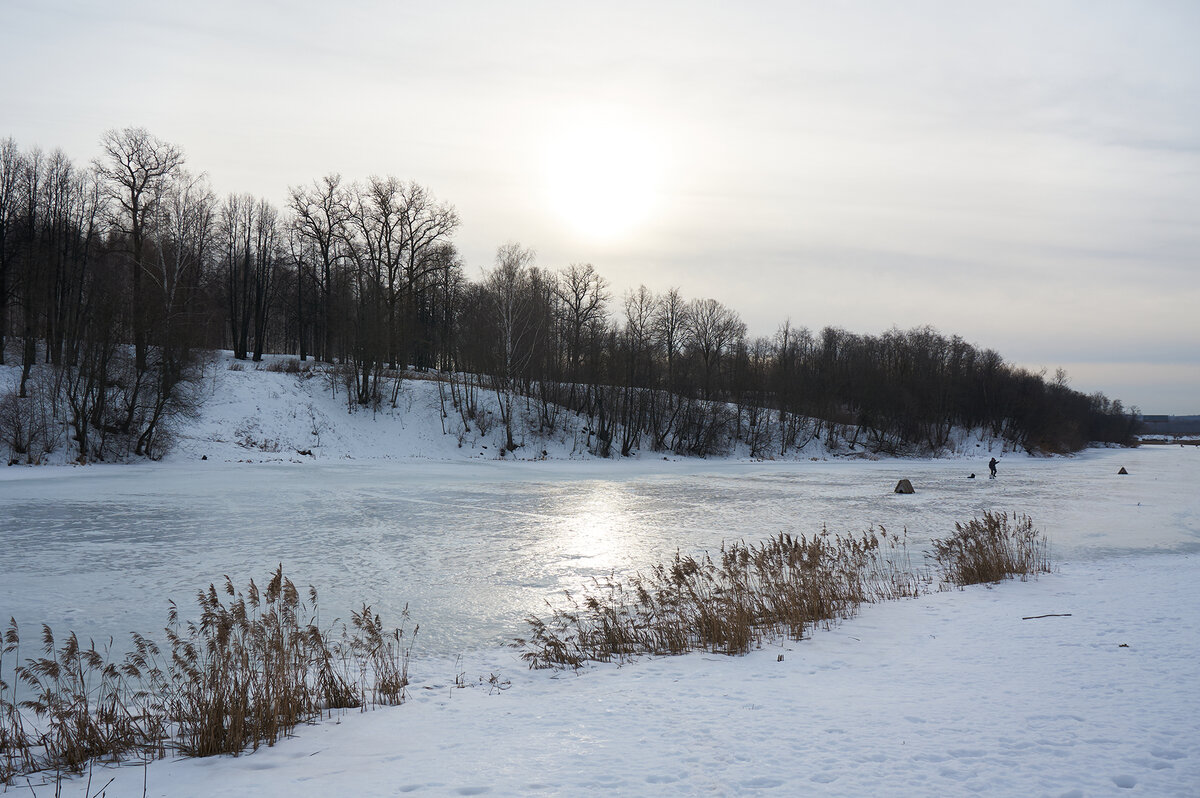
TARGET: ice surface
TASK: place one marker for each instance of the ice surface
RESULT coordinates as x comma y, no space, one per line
473,547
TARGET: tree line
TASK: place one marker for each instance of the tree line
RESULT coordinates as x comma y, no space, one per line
119,276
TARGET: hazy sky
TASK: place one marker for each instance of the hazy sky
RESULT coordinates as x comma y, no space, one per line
1023,174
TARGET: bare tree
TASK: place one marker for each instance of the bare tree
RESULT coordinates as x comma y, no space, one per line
10,170
83,246
449,287
266,263
427,226
134,168
583,295
712,329
377,247
32,206
640,309
321,215
236,227
515,318
185,222
637,398
670,319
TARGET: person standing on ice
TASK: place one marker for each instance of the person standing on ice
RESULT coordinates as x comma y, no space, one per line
992,466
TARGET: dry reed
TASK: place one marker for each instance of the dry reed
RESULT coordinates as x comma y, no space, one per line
989,549
728,604
785,586
254,666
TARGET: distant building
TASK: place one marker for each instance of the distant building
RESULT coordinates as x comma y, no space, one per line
1169,425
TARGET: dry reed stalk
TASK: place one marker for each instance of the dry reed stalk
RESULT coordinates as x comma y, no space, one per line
989,549
253,667
783,586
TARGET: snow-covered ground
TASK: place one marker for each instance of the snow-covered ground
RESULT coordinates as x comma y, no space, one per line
950,694
253,414
285,411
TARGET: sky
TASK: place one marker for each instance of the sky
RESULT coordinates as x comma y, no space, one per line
1023,174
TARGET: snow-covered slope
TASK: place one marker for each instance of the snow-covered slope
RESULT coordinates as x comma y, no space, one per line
280,410
252,411
258,412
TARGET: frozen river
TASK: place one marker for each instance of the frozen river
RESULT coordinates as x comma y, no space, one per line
472,548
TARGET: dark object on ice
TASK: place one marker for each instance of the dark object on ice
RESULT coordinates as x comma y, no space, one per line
904,486
1123,471
304,452
204,457
1048,615
992,466
972,476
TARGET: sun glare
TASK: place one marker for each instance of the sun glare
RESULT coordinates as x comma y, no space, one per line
601,175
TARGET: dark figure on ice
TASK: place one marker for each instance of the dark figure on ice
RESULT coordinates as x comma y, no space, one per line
992,466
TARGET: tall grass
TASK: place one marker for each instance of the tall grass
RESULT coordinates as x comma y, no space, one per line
988,549
727,604
254,666
785,586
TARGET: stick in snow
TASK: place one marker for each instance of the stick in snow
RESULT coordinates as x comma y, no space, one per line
1049,615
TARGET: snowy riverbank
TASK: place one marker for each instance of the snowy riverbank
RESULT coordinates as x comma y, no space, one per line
949,694
280,411
251,413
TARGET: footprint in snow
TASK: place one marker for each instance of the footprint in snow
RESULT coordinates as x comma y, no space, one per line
762,783
1125,782
966,753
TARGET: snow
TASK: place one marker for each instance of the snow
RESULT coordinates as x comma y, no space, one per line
949,694
316,419
952,693
284,411
313,417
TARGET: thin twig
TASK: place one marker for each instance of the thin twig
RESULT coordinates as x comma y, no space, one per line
1048,615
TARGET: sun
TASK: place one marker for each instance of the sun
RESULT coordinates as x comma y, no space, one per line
602,175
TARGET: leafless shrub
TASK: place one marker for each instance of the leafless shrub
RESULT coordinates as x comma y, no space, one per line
27,424
288,366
